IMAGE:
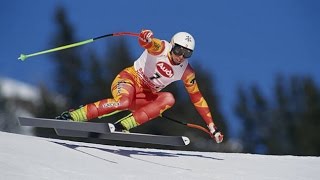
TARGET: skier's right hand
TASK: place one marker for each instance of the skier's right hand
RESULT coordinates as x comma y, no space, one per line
145,38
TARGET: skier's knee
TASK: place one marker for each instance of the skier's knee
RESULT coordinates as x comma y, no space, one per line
124,103
167,98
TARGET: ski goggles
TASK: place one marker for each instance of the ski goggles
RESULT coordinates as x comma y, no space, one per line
179,50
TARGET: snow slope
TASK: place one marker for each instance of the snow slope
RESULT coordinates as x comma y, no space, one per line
30,158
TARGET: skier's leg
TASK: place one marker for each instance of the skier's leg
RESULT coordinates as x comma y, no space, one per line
148,106
123,92
153,107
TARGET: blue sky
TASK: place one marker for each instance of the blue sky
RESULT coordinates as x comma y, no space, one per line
241,42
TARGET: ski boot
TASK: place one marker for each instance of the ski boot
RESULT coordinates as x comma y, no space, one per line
119,128
125,124
65,116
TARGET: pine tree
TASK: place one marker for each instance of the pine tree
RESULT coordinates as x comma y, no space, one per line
3,112
284,124
69,66
97,86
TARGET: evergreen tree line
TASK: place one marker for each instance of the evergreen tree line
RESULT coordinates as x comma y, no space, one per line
285,123
288,122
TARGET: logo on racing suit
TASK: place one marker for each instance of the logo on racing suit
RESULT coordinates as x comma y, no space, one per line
165,69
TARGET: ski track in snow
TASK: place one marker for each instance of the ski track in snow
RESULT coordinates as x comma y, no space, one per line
27,157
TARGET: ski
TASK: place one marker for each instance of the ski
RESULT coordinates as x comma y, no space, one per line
130,137
67,125
101,131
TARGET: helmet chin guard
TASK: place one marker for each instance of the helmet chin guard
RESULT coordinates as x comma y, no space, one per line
183,39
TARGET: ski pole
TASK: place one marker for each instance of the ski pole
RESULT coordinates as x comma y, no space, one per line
190,125
24,57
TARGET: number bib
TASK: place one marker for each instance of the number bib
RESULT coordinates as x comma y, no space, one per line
156,71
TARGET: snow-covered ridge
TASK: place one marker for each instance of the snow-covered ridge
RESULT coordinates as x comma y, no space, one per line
11,88
29,158
14,89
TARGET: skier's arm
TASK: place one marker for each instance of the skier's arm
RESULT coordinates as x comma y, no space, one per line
195,95
199,102
153,45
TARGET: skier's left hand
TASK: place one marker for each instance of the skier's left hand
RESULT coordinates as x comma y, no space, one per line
218,136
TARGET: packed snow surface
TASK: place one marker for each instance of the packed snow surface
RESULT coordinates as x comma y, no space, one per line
29,158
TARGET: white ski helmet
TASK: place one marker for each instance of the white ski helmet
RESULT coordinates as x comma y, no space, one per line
183,39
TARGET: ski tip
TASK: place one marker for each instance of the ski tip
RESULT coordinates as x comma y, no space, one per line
111,127
186,140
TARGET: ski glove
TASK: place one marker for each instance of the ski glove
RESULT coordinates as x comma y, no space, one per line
145,38
217,135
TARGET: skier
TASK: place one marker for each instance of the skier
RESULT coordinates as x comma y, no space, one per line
137,88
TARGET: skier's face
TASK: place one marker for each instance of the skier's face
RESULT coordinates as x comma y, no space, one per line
177,59
180,50
179,54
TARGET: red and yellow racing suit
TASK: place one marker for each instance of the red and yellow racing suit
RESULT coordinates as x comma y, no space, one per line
138,88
